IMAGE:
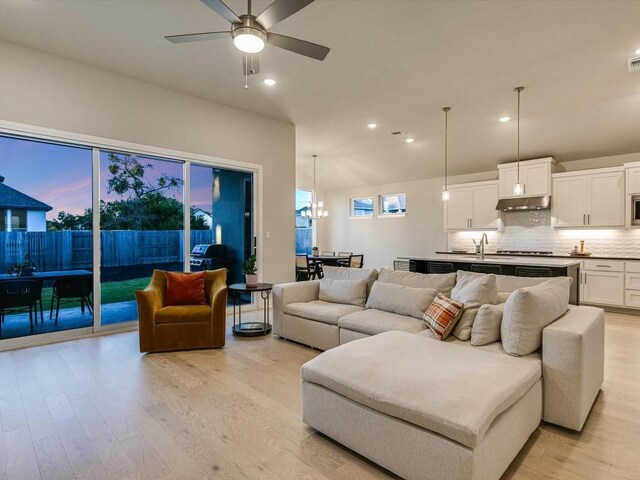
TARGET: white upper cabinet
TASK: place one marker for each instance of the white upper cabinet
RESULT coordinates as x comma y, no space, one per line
535,175
591,198
472,206
633,180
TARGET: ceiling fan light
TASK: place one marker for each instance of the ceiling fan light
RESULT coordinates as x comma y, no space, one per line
249,40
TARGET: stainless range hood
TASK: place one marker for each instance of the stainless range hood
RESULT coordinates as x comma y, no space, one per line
542,202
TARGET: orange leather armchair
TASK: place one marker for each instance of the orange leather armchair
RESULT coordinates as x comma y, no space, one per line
182,327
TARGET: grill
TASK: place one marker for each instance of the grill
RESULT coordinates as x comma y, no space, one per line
209,257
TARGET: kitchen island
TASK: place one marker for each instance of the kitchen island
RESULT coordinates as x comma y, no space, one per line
534,266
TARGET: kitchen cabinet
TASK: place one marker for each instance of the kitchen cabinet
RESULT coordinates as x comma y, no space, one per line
535,175
632,285
602,282
602,288
633,180
472,206
593,198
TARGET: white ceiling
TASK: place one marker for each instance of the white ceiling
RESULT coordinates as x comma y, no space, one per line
394,61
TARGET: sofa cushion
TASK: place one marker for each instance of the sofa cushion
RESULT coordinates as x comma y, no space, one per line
473,290
374,321
183,313
320,311
400,299
369,275
442,315
453,391
442,282
350,292
486,326
528,310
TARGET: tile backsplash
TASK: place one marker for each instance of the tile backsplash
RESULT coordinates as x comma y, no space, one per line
532,230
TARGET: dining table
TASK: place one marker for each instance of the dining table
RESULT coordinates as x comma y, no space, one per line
328,260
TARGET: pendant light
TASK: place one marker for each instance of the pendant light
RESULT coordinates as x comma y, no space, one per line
518,188
445,190
315,209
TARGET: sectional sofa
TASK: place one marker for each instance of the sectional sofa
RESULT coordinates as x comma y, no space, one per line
461,408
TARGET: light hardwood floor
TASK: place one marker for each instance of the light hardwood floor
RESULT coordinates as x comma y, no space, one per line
97,409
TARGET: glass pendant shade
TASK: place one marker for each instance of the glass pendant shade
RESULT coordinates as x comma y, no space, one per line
518,189
445,194
315,209
445,190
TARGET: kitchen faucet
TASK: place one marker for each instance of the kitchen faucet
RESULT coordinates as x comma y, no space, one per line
483,241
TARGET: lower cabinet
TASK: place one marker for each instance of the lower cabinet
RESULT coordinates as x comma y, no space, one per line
602,288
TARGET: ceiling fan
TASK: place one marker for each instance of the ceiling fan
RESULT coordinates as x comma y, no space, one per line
250,33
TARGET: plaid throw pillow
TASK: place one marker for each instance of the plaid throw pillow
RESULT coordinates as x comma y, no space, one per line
442,315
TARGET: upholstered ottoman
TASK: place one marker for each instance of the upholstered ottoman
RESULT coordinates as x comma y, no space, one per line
424,409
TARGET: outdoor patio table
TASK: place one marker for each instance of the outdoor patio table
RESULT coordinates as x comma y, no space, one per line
49,276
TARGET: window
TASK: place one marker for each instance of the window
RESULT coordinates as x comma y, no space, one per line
19,220
393,204
304,225
362,207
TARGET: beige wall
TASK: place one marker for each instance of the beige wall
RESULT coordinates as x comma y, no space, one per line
47,91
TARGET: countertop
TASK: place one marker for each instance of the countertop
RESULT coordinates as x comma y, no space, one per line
542,261
498,255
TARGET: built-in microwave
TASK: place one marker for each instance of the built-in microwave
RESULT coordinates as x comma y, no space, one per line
635,209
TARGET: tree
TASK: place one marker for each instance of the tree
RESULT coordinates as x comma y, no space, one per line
145,208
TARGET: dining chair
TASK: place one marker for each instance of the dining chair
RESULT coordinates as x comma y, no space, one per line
327,253
19,296
344,254
355,261
68,290
305,270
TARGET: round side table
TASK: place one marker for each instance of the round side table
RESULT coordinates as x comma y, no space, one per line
251,329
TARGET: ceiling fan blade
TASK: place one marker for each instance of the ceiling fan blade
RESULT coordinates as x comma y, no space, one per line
196,37
250,63
295,45
279,10
221,9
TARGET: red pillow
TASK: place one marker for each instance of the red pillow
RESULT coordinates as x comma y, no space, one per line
185,289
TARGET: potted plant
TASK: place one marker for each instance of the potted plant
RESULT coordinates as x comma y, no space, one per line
315,251
250,271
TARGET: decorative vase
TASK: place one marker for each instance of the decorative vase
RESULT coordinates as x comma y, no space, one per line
315,252
251,280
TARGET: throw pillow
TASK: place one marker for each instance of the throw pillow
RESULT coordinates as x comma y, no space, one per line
473,290
442,282
486,327
442,315
528,310
369,275
185,289
400,299
351,292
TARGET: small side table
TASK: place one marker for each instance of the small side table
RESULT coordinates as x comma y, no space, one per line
251,329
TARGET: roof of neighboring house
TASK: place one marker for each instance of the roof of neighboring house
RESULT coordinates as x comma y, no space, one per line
12,198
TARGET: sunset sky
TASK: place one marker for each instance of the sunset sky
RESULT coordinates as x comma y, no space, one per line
60,176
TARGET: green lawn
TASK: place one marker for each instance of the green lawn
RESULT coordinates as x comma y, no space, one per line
112,292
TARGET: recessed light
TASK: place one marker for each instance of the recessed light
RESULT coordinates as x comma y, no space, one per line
638,51
409,140
270,82
504,119
372,125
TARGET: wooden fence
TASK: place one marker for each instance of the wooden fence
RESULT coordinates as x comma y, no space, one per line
69,249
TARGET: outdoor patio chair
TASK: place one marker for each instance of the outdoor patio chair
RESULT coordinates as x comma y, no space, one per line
163,328
20,295
69,290
305,270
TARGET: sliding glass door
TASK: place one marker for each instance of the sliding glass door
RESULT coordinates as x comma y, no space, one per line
59,202
46,237
222,216
141,227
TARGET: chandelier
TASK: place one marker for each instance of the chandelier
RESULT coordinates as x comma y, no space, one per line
315,208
